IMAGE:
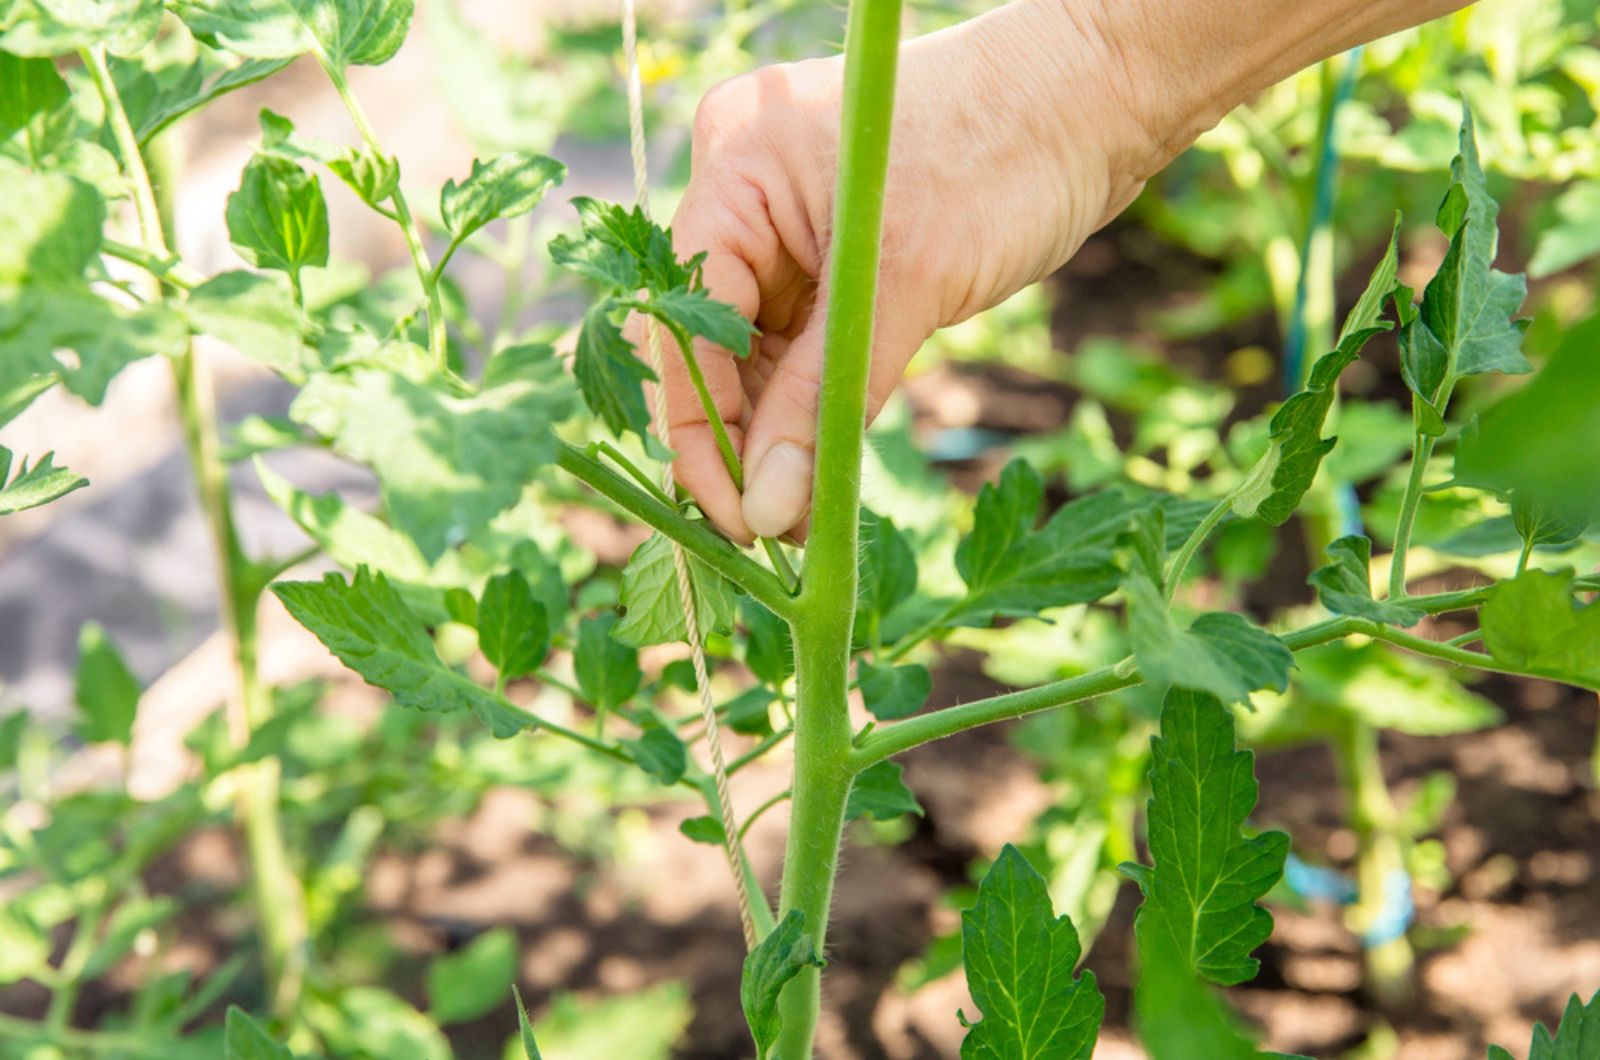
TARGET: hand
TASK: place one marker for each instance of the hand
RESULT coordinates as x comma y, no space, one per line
1010,146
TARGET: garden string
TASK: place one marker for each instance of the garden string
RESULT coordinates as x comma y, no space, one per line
680,561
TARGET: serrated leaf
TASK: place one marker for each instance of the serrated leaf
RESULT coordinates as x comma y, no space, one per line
654,604
253,313
1020,959
880,792
343,32
892,692
107,693
783,954
55,27
278,219
1534,622
659,752
448,462
1221,652
374,177
887,573
1345,585
368,626
245,1039
1577,1036
530,1048
513,628
609,375
622,250
607,669
696,313
1012,569
472,982
36,485
1202,889
505,186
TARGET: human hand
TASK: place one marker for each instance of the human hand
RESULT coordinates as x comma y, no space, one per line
1011,145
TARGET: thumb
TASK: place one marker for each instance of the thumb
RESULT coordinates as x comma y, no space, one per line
780,445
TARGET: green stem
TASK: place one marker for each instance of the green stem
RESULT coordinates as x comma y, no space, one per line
64,998
280,901
759,750
1422,449
711,549
1522,559
133,1043
755,814
437,340
633,470
1180,562
170,270
823,767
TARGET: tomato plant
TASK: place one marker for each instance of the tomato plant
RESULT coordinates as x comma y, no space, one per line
467,440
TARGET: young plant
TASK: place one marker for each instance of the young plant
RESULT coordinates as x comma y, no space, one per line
464,442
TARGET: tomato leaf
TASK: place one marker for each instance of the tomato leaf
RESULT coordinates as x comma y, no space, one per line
36,485
1202,889
341,32
44,28
107,693
530,1048
253,313
513,628
783,954
654,604
880,792
472,981
278,219
367,624
505,186
1345,585
609,375
1020,959
892,692
607,669
1577,1037
1534,622
245,1039
694,312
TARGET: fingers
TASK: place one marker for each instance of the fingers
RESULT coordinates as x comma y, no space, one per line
699,466
780,445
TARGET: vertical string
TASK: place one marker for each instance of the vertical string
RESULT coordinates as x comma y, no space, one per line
680,561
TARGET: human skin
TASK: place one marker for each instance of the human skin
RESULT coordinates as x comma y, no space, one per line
1016,135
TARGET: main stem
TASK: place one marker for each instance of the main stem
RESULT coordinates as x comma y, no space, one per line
280,903
823,764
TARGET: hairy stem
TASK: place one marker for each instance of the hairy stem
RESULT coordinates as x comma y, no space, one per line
426,276
1180,562
1422,449
823,768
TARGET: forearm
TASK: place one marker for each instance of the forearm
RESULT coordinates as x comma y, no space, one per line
1186,63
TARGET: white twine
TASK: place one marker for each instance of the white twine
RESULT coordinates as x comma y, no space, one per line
691,617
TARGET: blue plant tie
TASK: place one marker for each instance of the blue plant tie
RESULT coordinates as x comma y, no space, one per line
1398,911
1316,883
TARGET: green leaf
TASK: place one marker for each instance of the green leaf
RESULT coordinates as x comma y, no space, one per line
11,728
609,375
879,792
1012,569
1179,1018
622,250
24,946
278,219
374,177
892,692
31,94
1221,652
52,224
368,626
56,27
1577,1036
1575,235
1201,891
67,330
749,712
1540,441
1534,622
654,604
448,462
530,1048
642,1025
707,830
769,647
132,918
505,186
1540,523
245,1039
1020,958
1469,306
253,313
607,669
1345,585
513,628
783,954
161,102
473,981
107,692
36,485
348,535
659,752
888,573
343,32
695,312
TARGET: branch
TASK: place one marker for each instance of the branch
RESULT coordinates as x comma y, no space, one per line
710,548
